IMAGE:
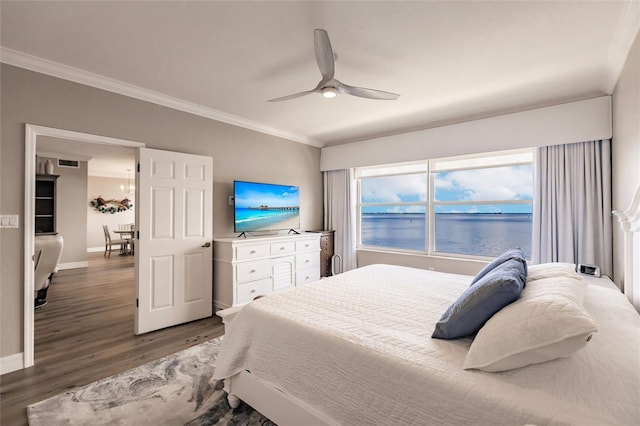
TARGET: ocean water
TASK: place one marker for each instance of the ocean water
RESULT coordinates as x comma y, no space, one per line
475,234
263,220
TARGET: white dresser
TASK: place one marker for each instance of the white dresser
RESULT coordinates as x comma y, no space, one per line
258,266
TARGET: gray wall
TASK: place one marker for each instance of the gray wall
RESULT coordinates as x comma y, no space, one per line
71,220
238,153
625,147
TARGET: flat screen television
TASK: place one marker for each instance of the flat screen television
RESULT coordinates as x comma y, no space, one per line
265,207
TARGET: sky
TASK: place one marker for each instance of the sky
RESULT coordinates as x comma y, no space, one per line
484,184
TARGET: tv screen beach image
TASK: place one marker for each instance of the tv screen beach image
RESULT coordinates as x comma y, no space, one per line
266,207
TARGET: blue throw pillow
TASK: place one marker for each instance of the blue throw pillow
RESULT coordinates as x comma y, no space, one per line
515,253
495,290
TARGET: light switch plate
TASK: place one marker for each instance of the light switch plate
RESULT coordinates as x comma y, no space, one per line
9,221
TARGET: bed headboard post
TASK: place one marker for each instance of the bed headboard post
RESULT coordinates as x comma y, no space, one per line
629,220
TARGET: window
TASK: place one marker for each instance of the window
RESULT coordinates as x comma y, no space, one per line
476,205
393,206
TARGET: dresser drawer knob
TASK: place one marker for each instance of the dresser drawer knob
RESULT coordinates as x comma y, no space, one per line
252,271
252,252
253,290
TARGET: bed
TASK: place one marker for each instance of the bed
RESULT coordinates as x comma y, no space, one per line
356,349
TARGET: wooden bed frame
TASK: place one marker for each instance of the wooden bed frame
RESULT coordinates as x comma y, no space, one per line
277,406
272,403
629,220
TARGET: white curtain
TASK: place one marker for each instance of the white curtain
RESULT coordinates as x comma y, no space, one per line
340,214
572,205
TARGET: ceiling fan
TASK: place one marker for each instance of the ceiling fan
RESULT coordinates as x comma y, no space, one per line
330,86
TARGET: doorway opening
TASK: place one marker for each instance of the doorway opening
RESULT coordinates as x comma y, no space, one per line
32,134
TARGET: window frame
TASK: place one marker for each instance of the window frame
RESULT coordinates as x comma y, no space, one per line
430,204
359,204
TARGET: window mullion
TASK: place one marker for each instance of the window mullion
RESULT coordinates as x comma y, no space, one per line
473,203
430,228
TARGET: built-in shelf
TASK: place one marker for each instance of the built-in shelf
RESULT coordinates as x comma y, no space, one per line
45,208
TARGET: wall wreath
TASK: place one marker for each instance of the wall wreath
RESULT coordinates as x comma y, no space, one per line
111,206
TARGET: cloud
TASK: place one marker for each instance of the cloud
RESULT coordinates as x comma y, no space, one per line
394,189
500,183
497,183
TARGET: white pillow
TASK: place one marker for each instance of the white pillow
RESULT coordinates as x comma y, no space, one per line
545,323
552,270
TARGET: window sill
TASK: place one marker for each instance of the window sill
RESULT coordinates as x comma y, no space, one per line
433,262
462,257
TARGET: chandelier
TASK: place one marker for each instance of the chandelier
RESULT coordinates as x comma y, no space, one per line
129,188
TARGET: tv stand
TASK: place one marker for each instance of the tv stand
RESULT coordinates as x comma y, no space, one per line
246,268
253,234
294,231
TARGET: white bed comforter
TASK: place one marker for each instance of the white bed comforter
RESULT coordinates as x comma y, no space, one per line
357,347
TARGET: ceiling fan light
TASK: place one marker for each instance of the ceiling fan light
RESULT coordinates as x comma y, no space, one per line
329,92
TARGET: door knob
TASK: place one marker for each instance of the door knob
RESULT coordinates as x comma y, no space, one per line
207,244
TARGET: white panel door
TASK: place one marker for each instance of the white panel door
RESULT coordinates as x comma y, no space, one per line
174,246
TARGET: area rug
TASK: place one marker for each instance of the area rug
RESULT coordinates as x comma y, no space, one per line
174,390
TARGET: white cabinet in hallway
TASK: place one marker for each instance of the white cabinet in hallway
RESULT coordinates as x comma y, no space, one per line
259,266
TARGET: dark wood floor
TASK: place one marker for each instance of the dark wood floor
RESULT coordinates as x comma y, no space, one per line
85,333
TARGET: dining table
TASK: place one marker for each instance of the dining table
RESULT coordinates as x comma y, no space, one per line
127,234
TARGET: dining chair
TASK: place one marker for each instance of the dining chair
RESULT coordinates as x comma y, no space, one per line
129,237
125,227
110,242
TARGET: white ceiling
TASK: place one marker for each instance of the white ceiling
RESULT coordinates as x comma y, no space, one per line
450,61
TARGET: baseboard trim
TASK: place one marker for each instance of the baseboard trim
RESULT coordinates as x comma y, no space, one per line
11,363
73,265
94,249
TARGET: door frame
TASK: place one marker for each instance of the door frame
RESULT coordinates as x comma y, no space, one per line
32,132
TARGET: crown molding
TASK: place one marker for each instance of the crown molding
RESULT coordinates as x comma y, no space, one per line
76,75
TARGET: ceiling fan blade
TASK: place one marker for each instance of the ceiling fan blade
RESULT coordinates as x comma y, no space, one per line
329,86
324,54
366,93
295,95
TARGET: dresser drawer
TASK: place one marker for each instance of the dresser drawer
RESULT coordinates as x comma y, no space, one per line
249,291
284,247
255,270
309,260
304,245
306,276
245,252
